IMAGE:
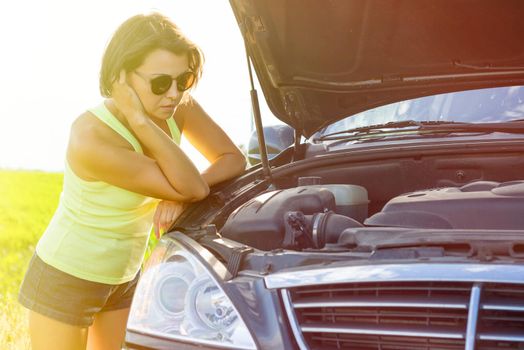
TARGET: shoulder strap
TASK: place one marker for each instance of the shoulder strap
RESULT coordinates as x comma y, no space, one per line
102,113
173,128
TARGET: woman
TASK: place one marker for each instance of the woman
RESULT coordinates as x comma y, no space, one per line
122,158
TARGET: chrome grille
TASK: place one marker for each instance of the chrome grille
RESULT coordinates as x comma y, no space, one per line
407,315
501,323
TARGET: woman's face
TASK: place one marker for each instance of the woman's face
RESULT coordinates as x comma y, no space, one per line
159,62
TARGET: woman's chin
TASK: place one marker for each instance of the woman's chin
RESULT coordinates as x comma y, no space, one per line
164,113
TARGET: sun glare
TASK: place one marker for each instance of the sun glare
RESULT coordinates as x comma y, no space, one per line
51,61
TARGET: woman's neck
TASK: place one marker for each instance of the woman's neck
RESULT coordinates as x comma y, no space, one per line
110,104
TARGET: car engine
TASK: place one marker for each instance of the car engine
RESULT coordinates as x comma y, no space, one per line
311,216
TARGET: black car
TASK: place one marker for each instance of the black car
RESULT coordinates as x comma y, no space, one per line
395,220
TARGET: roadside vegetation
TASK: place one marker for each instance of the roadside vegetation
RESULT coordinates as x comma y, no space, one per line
28,200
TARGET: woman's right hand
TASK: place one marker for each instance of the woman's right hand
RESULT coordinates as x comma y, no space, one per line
127,100
165,215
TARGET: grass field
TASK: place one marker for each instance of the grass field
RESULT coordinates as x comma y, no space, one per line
27,202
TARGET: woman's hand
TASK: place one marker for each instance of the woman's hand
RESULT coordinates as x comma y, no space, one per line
166,213
127,100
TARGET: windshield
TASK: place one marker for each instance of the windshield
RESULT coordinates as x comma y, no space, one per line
472,106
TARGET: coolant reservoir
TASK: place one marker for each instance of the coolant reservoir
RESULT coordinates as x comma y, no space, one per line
351,200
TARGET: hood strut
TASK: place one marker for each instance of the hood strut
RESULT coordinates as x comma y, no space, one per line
258,125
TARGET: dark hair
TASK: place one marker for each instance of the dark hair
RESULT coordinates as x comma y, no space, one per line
136,38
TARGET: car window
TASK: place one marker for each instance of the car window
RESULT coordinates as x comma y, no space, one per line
472,106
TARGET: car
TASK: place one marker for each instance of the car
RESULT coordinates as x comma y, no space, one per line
393,220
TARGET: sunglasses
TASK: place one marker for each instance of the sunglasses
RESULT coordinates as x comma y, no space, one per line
162,83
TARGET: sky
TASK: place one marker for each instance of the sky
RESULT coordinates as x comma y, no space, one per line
51,54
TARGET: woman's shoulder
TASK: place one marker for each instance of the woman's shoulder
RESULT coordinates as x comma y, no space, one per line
85,123
87,135
87,130
186,111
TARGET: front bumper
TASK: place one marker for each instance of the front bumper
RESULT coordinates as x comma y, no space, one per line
460,304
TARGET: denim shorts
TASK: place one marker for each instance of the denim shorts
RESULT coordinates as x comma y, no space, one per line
69,299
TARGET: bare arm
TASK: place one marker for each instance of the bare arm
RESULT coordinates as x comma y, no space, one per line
168,174
209,139
178,169
226,159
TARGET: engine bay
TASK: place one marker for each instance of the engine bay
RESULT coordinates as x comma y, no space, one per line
313,216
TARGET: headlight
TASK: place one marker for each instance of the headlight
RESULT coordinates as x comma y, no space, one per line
178,298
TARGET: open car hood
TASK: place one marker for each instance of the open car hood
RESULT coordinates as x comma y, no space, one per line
319,61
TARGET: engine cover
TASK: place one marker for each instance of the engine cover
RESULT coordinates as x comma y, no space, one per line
260,222
478,205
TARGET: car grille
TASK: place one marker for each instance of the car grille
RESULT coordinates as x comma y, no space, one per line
407,315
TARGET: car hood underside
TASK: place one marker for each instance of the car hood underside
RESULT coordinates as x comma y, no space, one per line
319,61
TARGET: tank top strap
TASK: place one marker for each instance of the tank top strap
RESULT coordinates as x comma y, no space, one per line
105,115
173,128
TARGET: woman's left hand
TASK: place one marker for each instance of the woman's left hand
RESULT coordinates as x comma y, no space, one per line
165,215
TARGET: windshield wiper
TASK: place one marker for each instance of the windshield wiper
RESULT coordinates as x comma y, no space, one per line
435,126
378,128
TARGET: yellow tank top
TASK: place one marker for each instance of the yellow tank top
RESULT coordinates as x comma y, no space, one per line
99,232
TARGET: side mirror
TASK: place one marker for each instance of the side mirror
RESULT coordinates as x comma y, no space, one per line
277,137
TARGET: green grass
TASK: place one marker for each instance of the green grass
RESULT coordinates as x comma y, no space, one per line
28,200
